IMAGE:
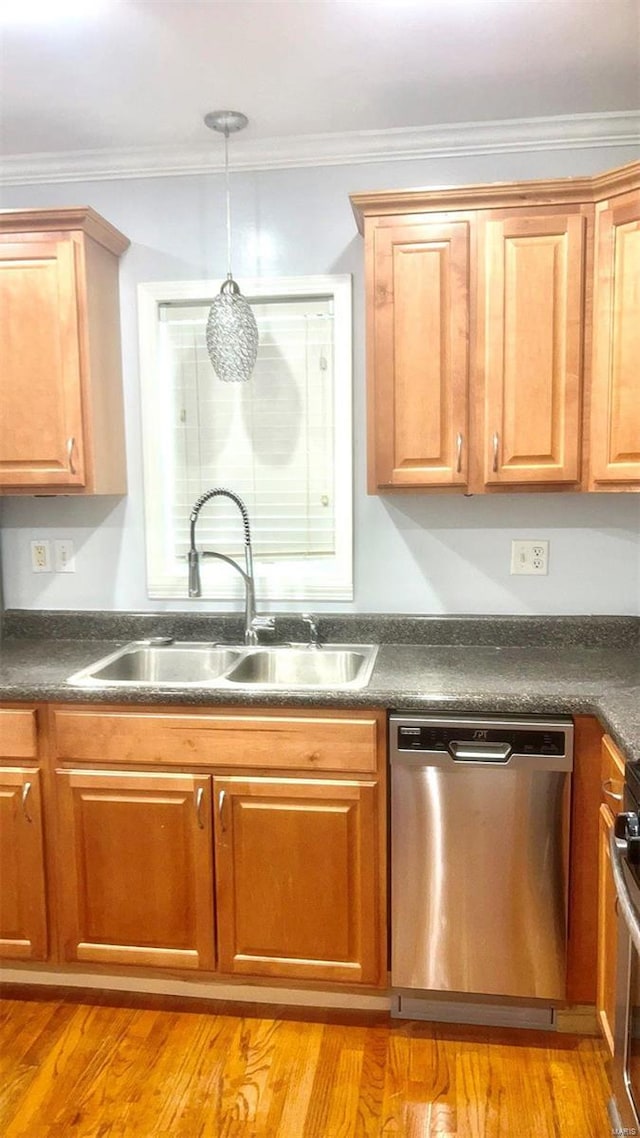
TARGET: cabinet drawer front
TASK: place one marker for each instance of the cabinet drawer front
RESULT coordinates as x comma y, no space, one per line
272,742
18,738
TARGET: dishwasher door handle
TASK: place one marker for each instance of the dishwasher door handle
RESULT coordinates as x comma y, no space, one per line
443,760
479,752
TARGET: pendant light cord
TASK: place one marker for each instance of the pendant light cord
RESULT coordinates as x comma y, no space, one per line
226,175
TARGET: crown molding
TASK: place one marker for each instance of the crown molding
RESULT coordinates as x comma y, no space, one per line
566,132
64,219
496,195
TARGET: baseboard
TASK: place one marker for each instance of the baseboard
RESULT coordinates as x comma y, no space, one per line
580,1019
193,989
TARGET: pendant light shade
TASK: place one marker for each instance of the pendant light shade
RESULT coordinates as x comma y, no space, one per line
232,332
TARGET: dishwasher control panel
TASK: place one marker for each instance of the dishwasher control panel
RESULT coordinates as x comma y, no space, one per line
489,740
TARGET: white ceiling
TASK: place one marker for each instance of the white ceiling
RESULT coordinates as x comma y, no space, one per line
142,73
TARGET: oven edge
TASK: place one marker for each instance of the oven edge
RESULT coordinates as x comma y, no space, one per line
623,1110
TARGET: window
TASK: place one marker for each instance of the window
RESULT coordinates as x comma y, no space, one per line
282,441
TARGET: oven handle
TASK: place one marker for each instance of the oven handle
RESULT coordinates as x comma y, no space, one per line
625,902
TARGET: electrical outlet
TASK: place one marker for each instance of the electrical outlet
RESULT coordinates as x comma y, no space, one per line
530,557
63,556
40,556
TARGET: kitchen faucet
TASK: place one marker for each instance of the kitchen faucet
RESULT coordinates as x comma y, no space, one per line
252,623
312,626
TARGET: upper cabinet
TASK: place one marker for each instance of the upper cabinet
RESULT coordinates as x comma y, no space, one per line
419,336
479,332
61,417
615,397
530,329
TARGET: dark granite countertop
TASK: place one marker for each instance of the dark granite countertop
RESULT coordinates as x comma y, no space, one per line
534,665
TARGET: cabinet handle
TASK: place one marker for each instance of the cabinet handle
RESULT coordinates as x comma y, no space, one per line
26,790
459,441
606,789
496,444
221,798
71,442
199,797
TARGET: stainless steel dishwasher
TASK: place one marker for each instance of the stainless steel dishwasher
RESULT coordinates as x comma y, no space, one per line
479,854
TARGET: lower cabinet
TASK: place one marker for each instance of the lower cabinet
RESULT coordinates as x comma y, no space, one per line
297,874
298,878
23,912
247,844
135,868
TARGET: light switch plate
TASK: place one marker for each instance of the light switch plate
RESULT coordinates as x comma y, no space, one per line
64,556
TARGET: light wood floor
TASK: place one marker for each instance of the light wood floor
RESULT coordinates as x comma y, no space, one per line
161,1069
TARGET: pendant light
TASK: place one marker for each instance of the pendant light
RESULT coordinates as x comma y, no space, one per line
232,332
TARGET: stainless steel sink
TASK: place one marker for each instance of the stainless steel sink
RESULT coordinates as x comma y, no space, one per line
304,667
177,665
188,664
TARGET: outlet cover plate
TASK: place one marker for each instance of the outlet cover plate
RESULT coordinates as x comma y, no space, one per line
40,556
530,557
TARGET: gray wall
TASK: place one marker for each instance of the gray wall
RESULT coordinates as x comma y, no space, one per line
414,552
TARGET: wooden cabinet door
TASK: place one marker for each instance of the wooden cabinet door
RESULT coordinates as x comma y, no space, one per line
41,433
607,932
23,913
418,346
297,879
531,315
135,869
615,392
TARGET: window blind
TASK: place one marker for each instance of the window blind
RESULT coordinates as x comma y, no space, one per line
269,440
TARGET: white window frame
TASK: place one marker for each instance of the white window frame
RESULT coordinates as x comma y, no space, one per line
292,580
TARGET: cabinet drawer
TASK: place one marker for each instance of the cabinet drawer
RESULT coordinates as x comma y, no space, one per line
18,733
611,775
337,742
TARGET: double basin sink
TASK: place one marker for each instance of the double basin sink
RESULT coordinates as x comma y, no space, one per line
191,665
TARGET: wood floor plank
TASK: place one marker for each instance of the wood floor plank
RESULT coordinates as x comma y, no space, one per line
108,1070
431,1082
302,1062
395,1089
25,1039
343,1107
372,1081
315,1123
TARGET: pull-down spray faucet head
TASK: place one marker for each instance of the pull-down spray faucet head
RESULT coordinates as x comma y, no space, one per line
195,585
